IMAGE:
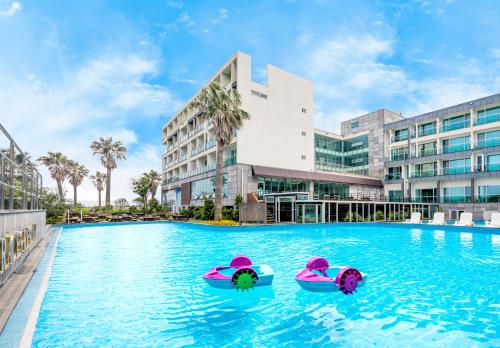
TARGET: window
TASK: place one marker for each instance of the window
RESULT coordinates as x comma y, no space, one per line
304,110
493,162
267,185
303,133
489,193
457,122
328,190
303,157
456,194
458,166
400,135
354,124
426,195
399,154
394,173
488,139
488,115
427,129
428,149
456,144
205,188
395,196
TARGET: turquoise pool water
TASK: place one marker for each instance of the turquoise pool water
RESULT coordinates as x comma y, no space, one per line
141,286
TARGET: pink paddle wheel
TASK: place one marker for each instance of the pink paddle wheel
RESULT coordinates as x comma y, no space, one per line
347,279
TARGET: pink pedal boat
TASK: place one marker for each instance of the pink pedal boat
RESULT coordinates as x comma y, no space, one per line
241,274
319,276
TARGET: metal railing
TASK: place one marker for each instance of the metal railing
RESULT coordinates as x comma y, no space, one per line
20,181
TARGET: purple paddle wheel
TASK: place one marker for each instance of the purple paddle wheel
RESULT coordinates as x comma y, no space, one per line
347,279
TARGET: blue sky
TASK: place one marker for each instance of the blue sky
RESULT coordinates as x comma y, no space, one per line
71,71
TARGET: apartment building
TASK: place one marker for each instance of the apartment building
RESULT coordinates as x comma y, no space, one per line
449,156
273,153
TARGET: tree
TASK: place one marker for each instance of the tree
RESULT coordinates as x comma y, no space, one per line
121,203
110,152
56,163
76,173
141,187
222,108
155,179
98,180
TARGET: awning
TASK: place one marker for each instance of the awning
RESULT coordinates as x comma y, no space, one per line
298,174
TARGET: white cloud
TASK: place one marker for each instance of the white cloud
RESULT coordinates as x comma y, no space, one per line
100,98
176,4
495,52
11,9
185,20
222,16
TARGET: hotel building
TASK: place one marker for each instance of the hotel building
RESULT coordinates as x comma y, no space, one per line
278,160
449,156
276,151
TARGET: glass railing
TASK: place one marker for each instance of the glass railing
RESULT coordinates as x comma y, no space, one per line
202,147
397,157
487,119
393,176
456,199
454,126
426,131
395,139
456,170
427,152
492,167
488,143
423,173
230,161
455,148
488,198
425,199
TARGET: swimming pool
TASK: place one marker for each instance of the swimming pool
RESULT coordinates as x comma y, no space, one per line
141,285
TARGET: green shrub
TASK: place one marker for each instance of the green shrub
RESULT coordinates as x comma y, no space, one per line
379,215
208,209
199,213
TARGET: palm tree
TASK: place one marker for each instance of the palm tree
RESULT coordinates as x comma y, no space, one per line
110,152
223,109
98,180
155,180
56,163
76,173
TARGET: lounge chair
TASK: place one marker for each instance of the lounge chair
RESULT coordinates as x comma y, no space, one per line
495,220
465,220
438,219
3,257
415,218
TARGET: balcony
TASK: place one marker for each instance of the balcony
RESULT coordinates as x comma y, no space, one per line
201,170
456,170
454,126
456,148
488,198
488,143
426,152
393,176
230,161
427,131
423,173
398,138
487,119
425,199
491,167
203,147
397,157
457,199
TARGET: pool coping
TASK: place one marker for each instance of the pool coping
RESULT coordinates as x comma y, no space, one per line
13,289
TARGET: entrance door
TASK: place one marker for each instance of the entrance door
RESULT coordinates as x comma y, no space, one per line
285,209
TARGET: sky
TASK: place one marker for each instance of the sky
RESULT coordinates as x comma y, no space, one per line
71,71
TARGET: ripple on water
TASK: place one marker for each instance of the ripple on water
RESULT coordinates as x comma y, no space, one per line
141,285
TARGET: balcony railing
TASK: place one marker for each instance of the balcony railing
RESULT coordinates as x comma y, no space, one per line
426,152
398,138
456,199
488,198
456,170
490,167
425,199
423,173
488,143
230,161
393,176
456,148
397,157
454,126
487,119
427,131
203,147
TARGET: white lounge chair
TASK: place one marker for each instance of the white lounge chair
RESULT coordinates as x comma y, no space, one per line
465,220
415,218
495,220
438,219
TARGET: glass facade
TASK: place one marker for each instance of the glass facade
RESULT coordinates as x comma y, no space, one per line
427,149
493,162
488,115
399,154
456,144
344,156
425,169
488,193
487,139
456,194
394,173
400,135
395,196
457,122
427,129
458,166
327,190
205,188
267,185
426,195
